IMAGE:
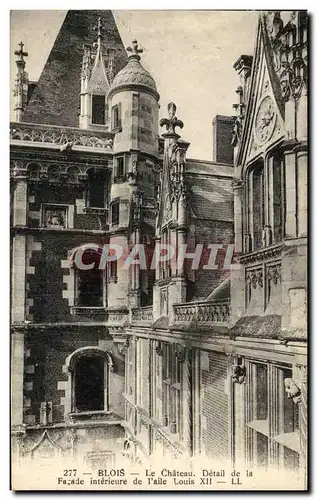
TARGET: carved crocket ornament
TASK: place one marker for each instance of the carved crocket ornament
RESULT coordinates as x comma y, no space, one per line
292,390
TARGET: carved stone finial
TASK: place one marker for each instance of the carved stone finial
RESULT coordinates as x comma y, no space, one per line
21,53
135,50
292,390
172,121
98,28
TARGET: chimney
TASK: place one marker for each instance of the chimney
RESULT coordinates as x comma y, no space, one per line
222,138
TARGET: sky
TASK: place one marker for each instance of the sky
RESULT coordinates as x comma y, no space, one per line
190,54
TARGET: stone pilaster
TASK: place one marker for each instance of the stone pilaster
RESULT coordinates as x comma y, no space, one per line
302,192
187,400
17,377
303,420
290,180
237,199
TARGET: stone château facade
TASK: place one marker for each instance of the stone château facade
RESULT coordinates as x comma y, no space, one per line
131,364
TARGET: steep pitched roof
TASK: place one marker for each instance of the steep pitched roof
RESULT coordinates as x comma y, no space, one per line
56,99
211,192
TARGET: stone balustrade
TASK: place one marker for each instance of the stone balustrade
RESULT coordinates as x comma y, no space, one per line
60,136
202,312
143,314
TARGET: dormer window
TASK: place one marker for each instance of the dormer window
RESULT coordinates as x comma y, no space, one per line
98,110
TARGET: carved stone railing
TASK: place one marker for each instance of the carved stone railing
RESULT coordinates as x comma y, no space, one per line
202,312
52,134
143,314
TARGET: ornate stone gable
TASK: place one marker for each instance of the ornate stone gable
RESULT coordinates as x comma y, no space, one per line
263,124
99,80
267,122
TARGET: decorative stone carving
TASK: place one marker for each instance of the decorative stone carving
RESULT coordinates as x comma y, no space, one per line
255,277
123,348
202,312
167,215
55,217
135,50
262,254
136,207
292,390
273,273
159,348
290,53
60,136
143,314
172,121
238,372
265,120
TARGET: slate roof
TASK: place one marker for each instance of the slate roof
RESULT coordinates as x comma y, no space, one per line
55,100
211,192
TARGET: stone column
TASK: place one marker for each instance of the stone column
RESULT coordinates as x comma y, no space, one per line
302,192
302,117
187,400
238,230
17,377
303,421
290,181
21,84
135,274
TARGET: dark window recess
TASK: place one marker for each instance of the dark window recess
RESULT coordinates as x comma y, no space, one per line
119,167
115,213
116,116
97,191
90,282
98,111
113,269
89,384
278,199
31,88
257,206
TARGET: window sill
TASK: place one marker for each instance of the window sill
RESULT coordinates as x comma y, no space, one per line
96,210
88,311
117,129
90,415
290,440
261,426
